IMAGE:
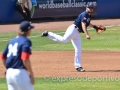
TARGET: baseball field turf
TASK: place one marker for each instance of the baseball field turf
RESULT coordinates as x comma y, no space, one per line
71,84
108,40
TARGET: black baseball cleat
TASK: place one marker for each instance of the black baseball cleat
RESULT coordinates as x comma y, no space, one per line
80,69
44,34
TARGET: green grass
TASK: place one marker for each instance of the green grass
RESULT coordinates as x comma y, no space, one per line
71,84
108,40
75,84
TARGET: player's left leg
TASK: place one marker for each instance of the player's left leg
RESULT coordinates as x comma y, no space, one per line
10,80
76,42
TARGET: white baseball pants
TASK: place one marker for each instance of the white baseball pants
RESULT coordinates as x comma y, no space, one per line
72,34
18,79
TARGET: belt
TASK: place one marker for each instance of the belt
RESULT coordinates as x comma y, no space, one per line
77,28
16,68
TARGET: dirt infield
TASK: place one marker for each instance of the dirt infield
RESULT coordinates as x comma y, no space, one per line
96,63
61,64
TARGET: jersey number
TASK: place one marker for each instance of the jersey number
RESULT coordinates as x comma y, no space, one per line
12,50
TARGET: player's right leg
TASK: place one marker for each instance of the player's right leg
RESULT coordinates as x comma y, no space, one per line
18,79
69,34
24,83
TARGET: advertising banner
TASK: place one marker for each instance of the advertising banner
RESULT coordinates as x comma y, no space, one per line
61,8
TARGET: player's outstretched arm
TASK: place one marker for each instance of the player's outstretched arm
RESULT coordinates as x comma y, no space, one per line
98,28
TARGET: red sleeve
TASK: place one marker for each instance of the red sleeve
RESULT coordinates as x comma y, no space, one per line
2,57
25,56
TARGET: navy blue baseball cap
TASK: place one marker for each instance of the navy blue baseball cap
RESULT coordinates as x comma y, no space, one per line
25,26
90,5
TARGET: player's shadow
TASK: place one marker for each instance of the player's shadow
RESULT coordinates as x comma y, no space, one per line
103,71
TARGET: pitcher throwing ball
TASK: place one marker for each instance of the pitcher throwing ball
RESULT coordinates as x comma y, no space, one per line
73,33
16,59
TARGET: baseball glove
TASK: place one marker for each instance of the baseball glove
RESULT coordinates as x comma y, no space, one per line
99,28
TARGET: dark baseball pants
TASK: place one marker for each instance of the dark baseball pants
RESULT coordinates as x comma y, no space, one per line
26,16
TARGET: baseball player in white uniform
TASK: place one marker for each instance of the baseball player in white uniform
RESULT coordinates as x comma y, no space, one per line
73,33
